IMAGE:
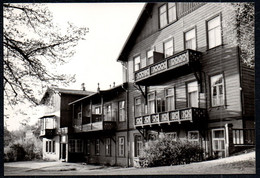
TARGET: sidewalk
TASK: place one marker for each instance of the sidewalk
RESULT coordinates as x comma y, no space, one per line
241,164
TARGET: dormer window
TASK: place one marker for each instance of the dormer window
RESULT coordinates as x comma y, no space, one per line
167,13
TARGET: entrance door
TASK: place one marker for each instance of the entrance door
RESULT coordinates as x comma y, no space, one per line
63,156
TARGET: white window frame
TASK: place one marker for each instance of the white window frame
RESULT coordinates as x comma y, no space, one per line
192,139
170,97
219,140
172,135
150,57
138,107
172,10
169,51
137,63
121,112
215,30
121,146
163,20
108,147
190,38
190,90
151,110
108,112
218,96
97,110
167,14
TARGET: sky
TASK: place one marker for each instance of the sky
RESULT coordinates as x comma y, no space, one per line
94,62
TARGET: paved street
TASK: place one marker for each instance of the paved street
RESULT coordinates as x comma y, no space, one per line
242,164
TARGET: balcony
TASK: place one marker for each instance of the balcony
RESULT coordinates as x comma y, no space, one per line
97,124
188,114
179,61
48,133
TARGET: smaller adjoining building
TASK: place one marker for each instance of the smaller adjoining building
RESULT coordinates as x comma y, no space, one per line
56,121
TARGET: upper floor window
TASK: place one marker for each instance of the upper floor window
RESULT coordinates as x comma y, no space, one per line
137,62
170,99
217,90
190,39
80,115
193,94
138,106
167,13
149,55
151,103
121,111
108,113
97,110
214,32
168,48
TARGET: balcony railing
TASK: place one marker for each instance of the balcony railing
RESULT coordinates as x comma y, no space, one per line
188,114
243,136
48,133
180,59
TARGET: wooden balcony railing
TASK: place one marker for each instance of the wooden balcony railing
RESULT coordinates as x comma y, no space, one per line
185,57
188,114
243,136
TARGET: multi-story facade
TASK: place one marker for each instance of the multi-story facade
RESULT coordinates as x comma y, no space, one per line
56,121
183,79
186,79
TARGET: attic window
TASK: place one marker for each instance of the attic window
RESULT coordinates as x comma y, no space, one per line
167,14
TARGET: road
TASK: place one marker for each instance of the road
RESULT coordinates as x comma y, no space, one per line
242,164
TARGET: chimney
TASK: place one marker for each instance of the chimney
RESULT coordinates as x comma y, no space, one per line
98,89
114,84
83,87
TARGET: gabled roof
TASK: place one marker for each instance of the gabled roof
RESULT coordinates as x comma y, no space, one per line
145,13
49,91
103,92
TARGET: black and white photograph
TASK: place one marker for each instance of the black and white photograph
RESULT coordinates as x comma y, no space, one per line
129,88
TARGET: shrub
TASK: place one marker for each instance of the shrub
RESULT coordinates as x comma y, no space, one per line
165,152
14,152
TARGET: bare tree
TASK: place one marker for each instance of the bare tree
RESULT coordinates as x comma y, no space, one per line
32,43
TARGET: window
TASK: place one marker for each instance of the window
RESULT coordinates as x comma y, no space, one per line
50,146
122,111
163,16
168,48
151,103
88,147
149,56
193,136
75,146
137,62
214,32
47,146
170,99
172,135
172,12
97,147
53,146
193,94
138,145
97,110
218,139
190,39
79,115
138,106
217,90
108,113
108,147
121,146
167,14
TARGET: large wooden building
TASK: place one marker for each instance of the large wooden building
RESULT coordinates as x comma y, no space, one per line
183,78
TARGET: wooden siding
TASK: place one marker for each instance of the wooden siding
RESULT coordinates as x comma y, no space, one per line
222,59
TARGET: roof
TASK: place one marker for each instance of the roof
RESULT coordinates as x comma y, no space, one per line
65,91
103,92
145,13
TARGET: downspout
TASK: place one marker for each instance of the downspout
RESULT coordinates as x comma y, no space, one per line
127,127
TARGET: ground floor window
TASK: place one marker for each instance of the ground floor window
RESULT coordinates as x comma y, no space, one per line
121,146
218,139
50,146
172,135
193,136
88,147
138,145
97,147
75,146
108,146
